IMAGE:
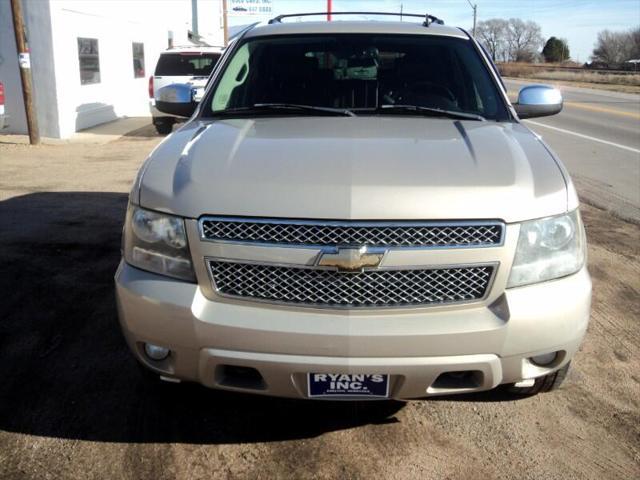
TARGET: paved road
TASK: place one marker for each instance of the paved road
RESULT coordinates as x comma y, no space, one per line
597,136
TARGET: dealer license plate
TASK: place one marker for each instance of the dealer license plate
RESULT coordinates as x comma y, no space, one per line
348,385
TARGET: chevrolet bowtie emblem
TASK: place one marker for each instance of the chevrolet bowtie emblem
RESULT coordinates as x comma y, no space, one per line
351,259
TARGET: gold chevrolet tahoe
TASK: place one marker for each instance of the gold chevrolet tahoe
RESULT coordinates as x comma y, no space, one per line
354,210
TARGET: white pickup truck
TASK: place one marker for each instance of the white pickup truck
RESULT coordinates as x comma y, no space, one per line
183,65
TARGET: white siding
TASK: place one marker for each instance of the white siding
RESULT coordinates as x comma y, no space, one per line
63,104
37,20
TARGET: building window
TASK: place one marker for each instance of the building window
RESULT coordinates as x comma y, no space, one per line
138,60
89,60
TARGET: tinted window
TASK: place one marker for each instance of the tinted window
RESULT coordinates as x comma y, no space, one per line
89,60
138,59
360,72
194,64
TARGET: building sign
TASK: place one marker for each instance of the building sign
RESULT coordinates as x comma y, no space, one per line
24,60
247,8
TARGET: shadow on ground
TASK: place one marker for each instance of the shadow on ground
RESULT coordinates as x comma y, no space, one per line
65,368
148,131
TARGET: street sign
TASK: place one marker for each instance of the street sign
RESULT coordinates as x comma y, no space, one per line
248,8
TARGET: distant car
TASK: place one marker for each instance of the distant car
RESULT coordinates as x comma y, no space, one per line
3,116
191,65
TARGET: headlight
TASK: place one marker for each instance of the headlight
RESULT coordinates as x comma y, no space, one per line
157,242
548,248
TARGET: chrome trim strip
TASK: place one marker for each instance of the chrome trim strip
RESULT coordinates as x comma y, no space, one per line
347,223
249,300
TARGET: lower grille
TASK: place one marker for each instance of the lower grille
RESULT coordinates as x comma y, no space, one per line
375,288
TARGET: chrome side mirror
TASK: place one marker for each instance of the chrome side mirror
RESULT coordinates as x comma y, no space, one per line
538,101
177,99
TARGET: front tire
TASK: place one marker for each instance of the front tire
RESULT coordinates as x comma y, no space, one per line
543,384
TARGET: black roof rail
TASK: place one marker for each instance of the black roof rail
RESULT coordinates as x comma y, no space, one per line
428,19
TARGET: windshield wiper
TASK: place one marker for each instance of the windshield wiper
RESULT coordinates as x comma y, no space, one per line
430,111
285,107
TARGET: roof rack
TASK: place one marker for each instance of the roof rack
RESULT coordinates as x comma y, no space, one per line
428,19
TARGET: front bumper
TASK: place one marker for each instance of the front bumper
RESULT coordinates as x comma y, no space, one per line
413,346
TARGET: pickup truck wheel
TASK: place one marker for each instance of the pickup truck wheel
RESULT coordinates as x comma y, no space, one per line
543,384
164,128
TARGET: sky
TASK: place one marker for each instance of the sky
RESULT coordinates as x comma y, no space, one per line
578,21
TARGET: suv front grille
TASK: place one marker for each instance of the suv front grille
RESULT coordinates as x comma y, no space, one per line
330,288
452,234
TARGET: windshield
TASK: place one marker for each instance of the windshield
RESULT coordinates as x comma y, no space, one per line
361,73
193,64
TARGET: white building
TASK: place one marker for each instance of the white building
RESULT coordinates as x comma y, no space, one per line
91,59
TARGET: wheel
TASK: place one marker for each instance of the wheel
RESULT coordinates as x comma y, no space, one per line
543,384
164,128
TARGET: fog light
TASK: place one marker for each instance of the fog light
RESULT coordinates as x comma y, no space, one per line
544,359
155,352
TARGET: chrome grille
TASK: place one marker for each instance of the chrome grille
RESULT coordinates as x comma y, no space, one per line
452,234
375,288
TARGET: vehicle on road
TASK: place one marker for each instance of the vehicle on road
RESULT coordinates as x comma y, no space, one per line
355,210
183,65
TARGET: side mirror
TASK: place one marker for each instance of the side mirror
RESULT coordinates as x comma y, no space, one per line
176,100
538,101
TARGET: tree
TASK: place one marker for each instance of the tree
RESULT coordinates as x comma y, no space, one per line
609,48
615,48
555,50
523,40
492,34
634,44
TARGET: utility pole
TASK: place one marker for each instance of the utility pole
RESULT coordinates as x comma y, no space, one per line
194,17
225,23
329,8
25,72
475,14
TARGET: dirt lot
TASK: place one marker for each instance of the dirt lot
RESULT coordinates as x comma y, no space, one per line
74,405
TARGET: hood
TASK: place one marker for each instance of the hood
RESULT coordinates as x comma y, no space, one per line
364,168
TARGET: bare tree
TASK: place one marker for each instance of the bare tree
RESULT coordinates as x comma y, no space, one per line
610,47
615,48
524,39
634,52
492,34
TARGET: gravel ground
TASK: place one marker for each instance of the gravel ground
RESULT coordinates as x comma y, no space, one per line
73,403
